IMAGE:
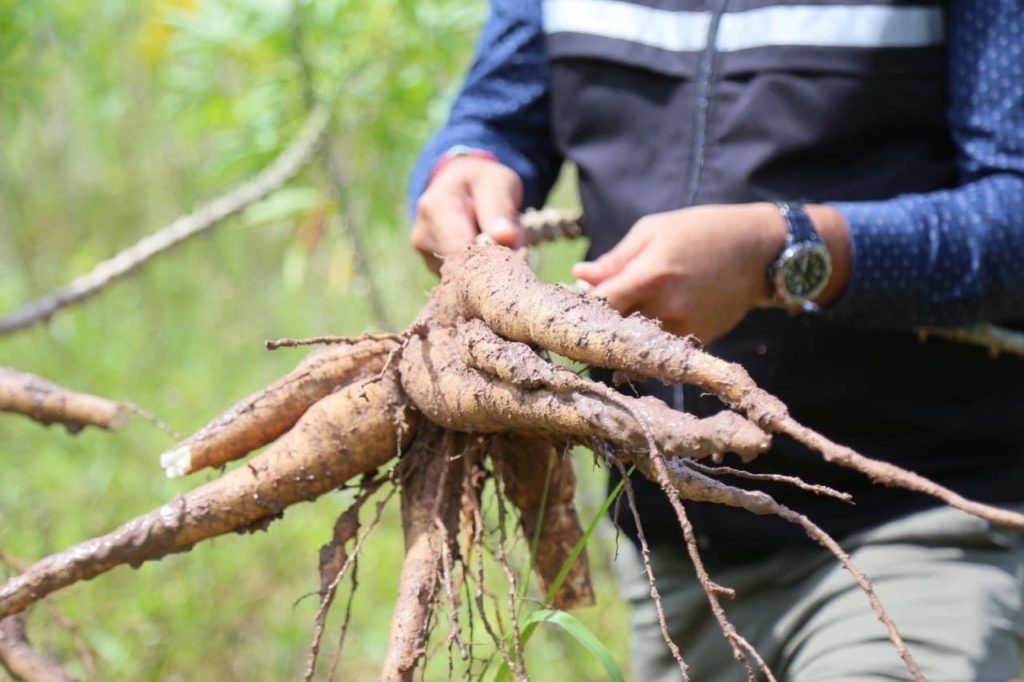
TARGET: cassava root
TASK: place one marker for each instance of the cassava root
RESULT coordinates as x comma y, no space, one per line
22,660
464,398
499,288
264,416
347,434
48,403
431,476
538,480
468,383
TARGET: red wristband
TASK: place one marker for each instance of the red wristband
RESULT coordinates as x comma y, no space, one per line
457,151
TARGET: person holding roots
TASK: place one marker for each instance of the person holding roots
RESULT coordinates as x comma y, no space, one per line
801,187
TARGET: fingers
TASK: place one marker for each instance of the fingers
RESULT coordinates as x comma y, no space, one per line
637,289
468,195
617,260
445,224
496,194
626,290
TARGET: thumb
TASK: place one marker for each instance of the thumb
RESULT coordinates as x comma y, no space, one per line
615,261
496,194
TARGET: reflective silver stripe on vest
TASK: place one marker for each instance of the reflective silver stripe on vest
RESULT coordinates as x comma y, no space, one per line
831,26
675,31
869,26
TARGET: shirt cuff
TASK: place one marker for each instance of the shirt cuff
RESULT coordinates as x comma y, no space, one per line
894,250
477,136
454,153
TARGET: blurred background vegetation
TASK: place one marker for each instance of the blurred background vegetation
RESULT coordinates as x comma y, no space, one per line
115,117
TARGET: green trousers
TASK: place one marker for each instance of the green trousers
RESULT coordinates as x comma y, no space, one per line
953,585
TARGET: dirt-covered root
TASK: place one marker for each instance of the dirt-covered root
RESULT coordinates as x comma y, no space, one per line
645,558
23,661
335,559
431,476
538,479
497,286
344,435
884,473
348,567
265,415
695,486
655,466
772,478
676,477
86,654
463,398
551,224
334,555
48,403
521,366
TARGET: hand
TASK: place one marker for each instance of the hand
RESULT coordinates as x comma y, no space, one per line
468,196
699,270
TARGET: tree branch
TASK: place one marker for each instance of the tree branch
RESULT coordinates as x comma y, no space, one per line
280,171
335,173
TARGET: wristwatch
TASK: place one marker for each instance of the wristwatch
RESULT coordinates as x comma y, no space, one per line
803,267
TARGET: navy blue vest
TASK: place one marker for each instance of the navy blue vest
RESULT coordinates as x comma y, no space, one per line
663,105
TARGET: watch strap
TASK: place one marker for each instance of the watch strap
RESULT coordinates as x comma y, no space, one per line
800,231
801,228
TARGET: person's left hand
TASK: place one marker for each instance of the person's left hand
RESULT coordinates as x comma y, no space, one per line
699,270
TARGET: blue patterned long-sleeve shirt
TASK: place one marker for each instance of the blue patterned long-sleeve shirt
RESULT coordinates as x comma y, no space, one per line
947,257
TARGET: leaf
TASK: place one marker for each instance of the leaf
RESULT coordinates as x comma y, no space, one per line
293,267
581,634
529,627
282,204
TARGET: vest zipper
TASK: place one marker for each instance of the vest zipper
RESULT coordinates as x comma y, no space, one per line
705,77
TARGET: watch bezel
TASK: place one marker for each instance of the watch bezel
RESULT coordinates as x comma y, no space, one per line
785,261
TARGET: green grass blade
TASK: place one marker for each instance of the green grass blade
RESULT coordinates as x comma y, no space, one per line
530,626
582,543
581,634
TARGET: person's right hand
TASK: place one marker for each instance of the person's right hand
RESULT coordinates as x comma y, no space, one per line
469,195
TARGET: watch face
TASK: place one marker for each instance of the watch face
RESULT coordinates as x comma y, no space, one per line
806,272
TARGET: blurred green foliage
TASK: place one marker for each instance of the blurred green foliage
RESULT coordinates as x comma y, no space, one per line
115,117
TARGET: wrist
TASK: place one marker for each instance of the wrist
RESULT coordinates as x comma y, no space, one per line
832,227
773,230
770,233
460,151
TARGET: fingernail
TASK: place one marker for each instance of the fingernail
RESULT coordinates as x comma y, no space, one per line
502,226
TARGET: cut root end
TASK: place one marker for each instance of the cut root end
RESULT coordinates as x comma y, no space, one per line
177,463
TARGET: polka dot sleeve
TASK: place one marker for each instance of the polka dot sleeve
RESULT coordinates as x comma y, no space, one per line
956,256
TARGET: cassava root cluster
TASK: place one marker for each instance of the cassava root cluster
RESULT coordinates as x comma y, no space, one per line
465,396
